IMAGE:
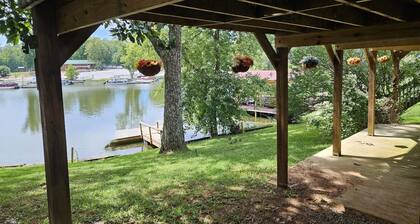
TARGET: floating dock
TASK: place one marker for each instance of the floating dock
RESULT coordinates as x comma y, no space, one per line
151,134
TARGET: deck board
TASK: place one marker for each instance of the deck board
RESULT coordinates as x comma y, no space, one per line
385,170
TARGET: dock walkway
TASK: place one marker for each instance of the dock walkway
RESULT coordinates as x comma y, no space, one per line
152,134
259,110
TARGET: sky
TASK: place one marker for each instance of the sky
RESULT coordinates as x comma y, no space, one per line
101,32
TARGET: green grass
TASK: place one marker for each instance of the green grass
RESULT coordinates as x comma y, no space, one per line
188,187
411,115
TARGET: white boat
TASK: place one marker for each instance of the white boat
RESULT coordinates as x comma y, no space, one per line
143,80
117,82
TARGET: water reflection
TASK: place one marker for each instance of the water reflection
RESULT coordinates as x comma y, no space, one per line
93,114
33,118
92,101
133,113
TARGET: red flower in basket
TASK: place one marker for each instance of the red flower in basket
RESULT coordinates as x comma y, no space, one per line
242,63
149,67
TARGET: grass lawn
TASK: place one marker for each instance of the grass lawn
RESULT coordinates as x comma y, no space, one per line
411,115
191,187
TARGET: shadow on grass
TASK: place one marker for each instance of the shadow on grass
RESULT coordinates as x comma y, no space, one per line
222,180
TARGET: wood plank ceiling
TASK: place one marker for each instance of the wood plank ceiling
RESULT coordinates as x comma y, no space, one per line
297,20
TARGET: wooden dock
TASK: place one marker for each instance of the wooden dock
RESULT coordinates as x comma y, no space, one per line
260,110
151,134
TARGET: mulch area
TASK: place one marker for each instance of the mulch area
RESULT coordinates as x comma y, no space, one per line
309,200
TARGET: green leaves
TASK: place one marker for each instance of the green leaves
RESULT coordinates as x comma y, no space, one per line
15,23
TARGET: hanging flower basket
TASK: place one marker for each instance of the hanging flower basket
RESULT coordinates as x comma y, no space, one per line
149,67
384,59
242,63
354,61
309,62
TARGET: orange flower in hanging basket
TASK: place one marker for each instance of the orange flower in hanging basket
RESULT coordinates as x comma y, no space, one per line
242,63
384,59
354,61
149,67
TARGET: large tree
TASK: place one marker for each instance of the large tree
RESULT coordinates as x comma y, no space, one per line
166,40
132,52
212,93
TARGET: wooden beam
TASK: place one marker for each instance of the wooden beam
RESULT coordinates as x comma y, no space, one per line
385,44
371,9
282,86
399,48
216,18
390,32
250,12
48,78
70,42
267,48
338,14
77,14
280,61
29,4
173,19
371,58
336,58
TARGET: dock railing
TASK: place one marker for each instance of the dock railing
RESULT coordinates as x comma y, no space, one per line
149,128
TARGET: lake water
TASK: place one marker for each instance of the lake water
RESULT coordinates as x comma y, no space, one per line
93,114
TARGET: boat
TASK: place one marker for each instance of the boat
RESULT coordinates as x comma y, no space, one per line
66,82
8,85
143,80
78,81
29,85
117,82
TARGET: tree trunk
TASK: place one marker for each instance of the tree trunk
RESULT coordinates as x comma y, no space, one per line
396,59
173,126
216,38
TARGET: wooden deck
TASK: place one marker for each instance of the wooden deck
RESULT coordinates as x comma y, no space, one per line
260,110
151,134
384,171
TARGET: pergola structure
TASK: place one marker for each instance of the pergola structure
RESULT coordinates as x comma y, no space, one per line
61,26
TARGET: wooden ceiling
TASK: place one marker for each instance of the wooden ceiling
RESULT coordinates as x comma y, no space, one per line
297,22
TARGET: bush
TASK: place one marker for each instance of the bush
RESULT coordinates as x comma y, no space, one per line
354,113
308,89
71,73
4,71
383,110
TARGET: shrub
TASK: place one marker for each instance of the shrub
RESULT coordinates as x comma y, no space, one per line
4,71
71,73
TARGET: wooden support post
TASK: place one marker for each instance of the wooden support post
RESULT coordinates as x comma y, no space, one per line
371,58
336,58
282,86
279,59
141,131
72,155
255,111
150,133
396,59
48,77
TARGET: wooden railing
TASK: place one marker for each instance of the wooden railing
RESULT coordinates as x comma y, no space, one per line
149,128
409,92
